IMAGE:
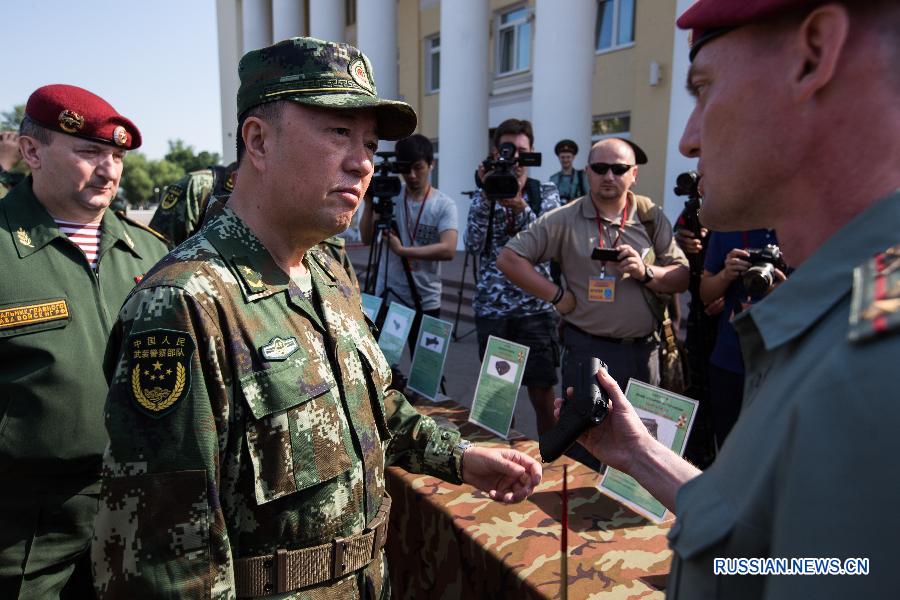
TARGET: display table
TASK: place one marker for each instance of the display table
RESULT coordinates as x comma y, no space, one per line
449,541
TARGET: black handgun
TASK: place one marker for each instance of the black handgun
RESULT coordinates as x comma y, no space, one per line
587,407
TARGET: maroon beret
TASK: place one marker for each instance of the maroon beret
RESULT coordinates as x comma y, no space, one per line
76,111
709,19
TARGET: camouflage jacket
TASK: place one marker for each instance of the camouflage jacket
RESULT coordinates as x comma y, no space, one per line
180,212
496,297
245,415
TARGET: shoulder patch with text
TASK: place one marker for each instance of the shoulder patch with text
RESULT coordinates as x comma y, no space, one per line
159,369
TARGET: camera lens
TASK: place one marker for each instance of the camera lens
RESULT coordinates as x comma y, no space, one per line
759,278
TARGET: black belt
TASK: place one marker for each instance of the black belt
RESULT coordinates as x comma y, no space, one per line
647,339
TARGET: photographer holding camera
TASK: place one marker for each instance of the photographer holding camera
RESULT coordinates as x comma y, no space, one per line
501,308
425,234
728,263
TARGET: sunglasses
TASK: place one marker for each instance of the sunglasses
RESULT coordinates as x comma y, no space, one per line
618,169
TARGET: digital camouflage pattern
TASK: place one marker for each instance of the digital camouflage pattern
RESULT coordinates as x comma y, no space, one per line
496,297
336,246
277,435
180,212
319,73
456,543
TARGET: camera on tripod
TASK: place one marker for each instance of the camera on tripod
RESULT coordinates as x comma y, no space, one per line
760,277
385,186
500,180
688,184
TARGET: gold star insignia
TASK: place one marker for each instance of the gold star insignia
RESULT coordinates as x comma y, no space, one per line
168,371
146,372
157,366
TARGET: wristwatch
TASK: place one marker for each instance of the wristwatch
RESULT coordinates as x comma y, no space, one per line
648,275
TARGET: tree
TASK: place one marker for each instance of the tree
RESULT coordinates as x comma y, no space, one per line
184,156
10,120
137,183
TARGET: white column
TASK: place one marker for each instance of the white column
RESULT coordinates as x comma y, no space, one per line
376,36
680,106
228,16
326,19
463,112
563,71
257,23
288,19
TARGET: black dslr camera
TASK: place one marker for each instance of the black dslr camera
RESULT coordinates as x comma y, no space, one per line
385,186
760,277
500,179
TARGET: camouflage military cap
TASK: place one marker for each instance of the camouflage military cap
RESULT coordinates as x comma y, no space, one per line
319,73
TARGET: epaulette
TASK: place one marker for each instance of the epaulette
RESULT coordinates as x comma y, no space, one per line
121,214
335,240
875,304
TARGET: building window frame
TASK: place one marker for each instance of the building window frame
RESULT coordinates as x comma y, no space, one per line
432,49
515,28
616,43
618,125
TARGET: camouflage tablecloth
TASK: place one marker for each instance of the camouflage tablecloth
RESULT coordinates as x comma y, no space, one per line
454,542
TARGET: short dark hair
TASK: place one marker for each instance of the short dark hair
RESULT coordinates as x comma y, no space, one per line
514,127
414,148
30,128
270,111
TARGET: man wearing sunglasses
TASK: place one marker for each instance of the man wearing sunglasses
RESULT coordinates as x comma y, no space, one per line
617,253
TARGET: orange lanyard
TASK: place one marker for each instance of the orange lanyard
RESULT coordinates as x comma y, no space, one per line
621,227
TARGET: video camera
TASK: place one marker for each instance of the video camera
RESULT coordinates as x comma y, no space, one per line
500,179
688,184
760,277
385,186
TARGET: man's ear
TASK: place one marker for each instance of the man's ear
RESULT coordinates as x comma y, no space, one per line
818,44
30,148
257,136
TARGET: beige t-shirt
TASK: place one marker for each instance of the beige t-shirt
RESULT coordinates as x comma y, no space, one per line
569,234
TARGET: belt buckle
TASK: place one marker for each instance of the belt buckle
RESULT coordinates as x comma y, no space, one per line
339,564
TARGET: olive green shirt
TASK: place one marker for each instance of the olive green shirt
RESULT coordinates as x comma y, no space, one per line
55,318
569,234
810,468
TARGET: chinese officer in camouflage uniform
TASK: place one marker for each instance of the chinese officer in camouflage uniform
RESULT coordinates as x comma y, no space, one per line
186,202
249,411
59,295
789,94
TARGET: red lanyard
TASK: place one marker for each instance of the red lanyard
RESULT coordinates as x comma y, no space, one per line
621,226
412,232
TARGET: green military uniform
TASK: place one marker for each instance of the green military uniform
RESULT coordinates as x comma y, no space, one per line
249,413
809,470
55,317
571,186
181,210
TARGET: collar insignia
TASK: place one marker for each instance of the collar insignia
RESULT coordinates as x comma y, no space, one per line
24,238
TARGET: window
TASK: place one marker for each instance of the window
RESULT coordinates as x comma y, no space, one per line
615,24
514,41
432,64
437,163
615,125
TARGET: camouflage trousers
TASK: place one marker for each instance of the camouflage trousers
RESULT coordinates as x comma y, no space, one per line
44,538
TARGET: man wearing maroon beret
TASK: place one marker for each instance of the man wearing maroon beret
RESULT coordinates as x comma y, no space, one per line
68,264
796,128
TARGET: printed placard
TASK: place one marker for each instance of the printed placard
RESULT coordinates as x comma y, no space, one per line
498,385
395,330
371,305
669,418
430,356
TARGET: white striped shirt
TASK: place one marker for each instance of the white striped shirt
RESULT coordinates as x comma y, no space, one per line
84,235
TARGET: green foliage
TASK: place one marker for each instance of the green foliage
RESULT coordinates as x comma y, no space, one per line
10,120
143,180
183,155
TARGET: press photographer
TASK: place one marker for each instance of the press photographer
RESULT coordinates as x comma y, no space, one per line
510,202
741,268
421,228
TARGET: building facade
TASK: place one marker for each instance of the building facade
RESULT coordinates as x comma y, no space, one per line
578,69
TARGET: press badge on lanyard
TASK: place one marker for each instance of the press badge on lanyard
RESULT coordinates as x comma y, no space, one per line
602,287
